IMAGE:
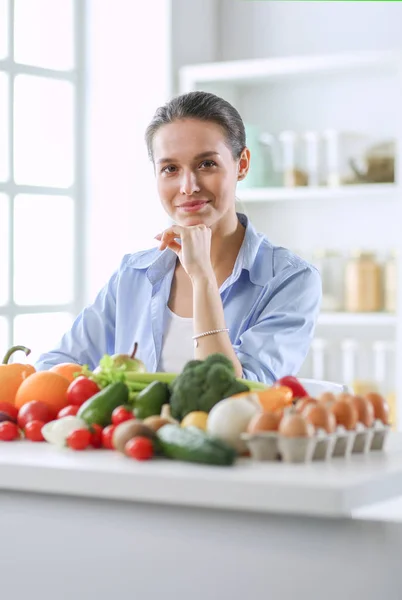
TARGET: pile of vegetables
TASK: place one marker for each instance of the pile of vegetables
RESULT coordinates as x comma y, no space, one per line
196,416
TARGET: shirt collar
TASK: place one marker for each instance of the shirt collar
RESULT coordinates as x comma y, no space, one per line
246,258
158,263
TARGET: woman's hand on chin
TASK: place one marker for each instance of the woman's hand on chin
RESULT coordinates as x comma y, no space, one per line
193,249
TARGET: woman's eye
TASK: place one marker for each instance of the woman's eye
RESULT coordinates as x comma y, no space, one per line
208,163
169,169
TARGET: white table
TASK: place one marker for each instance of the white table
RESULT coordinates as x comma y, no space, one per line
98,525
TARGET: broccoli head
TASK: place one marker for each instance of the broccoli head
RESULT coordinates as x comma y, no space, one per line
202,384
220,359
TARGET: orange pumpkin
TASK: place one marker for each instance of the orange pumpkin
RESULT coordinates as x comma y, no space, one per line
11,376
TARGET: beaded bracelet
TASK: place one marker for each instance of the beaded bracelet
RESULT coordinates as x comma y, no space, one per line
200,335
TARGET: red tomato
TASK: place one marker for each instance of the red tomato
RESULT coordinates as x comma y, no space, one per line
8,431
6,417
9,409
33,431
107,437
34,411
96,435
121,414
79,439
81,389
140,448
68,411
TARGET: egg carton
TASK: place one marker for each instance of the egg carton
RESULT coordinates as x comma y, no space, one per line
271,446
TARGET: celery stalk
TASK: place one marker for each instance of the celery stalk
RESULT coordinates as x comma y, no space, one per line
132,377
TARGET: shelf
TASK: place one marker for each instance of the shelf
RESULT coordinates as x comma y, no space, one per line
361,319
250,71
385,190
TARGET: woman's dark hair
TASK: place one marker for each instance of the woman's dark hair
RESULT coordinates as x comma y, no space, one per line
204,107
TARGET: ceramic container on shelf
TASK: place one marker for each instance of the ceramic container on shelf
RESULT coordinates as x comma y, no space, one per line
363,283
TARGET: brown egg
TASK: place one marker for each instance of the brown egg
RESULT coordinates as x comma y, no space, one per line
303,402
293,424
345,413
266,421
326,398
380,407
365,410
320,417
344,396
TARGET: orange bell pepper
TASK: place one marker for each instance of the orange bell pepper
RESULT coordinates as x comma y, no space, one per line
275,398
11,376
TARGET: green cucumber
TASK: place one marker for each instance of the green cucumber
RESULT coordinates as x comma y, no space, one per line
190,444
149,401
98,409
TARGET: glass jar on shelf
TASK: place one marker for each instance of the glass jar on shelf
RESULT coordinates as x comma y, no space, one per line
341,150
363,283
357,367
330,264
384,374
292,174
319,359
390,282
311,156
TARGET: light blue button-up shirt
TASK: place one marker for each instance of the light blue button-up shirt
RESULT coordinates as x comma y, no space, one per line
271,302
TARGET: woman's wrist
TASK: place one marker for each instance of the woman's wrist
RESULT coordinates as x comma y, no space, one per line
203,278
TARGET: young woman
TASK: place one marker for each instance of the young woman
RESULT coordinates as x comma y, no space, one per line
214,284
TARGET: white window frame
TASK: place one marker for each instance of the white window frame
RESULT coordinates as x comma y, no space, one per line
77,191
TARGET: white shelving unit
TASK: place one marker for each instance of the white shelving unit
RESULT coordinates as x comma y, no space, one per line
192,77
233,78
386,190
345,319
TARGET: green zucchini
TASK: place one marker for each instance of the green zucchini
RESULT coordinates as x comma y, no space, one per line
190,444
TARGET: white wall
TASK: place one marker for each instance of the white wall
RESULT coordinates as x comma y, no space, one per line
195,34
254,29
128,77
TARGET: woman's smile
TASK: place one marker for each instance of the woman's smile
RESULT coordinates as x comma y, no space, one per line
191,206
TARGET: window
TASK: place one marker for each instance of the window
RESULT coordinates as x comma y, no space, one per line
41,199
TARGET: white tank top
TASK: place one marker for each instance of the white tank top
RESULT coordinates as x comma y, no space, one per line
177,344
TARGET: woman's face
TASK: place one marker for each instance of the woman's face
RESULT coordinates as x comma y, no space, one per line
195,171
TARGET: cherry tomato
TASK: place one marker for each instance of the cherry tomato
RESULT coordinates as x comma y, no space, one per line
9,409
96,435
8,431
68,411
81,389
121,414
79,439
107,437
34,411
140,448
33,431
